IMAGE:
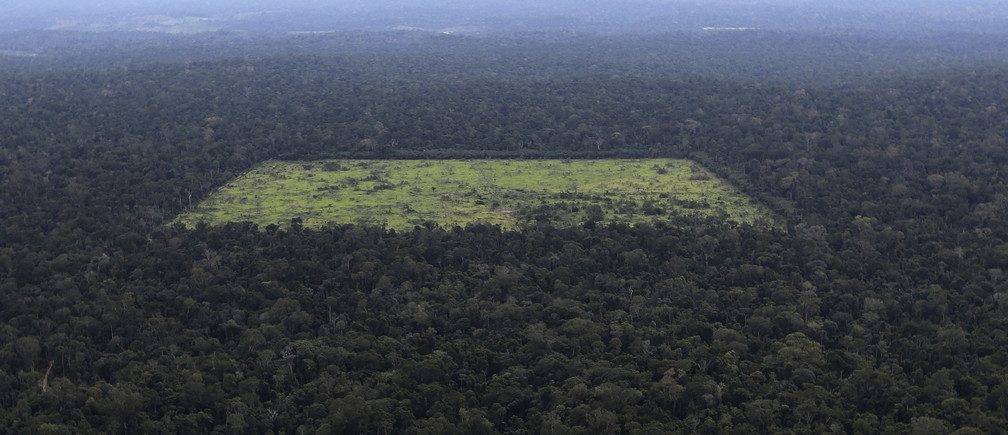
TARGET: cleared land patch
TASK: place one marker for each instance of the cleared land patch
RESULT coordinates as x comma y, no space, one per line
401,194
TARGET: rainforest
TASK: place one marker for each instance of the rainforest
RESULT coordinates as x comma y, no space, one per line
427,233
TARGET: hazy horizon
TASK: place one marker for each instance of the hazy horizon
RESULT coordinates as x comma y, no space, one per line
626,16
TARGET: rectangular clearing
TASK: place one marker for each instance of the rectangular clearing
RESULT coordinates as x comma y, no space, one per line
401,194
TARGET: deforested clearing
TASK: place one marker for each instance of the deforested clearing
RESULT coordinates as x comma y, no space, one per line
401,194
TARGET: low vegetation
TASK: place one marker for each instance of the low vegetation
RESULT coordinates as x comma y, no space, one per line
401,194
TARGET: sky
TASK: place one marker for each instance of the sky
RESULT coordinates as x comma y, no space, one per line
625,16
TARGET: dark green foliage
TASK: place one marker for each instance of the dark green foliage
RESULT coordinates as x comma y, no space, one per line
883,307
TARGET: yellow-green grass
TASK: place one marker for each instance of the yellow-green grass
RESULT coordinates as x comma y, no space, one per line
401,194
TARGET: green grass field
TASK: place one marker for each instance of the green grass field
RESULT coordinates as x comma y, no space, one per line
401,194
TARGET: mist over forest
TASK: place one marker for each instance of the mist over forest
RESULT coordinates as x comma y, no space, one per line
624,16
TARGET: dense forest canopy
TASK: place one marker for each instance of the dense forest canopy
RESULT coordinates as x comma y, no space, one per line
882,306
774,56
